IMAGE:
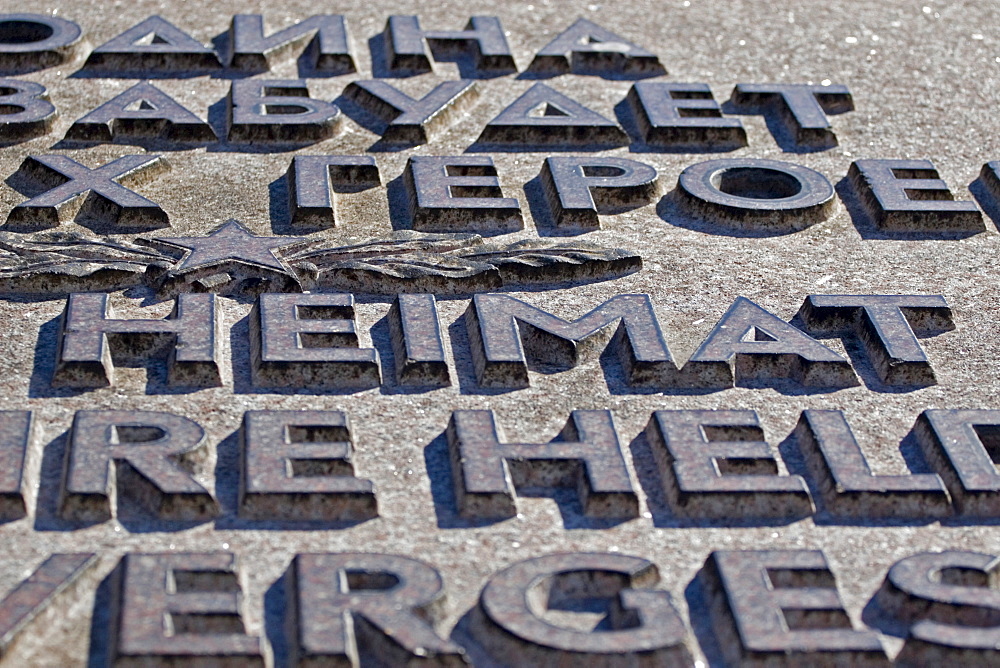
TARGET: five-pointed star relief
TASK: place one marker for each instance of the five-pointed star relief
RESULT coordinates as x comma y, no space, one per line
232,241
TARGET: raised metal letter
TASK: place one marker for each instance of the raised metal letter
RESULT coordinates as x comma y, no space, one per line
587,48
751,194
328,51
35,41
25,109
963,446
801,108
417,345
22,611
545,117
459,194
580,188
313,180
846,483
154,46
412,121
278,110
883,324
501,328
949,601
751,346
909,196
141,112
483,37
680,116
16,429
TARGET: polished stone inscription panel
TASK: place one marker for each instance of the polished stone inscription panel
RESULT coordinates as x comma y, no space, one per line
527,334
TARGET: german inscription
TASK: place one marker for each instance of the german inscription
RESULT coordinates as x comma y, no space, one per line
535,334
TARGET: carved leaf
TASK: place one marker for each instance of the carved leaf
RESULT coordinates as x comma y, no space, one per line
410,272
59,263
533,261
400,243
457,263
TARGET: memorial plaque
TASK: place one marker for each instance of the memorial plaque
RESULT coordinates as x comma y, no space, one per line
500,334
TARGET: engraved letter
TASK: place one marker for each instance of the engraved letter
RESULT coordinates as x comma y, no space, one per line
299,341
645,628
145,455
297,465
909,196
91,337
376,605
716,464
587,456
782,608
181,609
501,328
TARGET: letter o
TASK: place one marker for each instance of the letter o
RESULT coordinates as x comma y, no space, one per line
756,194
36,41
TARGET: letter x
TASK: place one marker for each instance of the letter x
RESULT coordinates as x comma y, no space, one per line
72,180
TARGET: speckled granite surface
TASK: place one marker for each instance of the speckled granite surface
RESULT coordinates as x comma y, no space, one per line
924,81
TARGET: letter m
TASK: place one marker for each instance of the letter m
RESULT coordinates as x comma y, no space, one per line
502,328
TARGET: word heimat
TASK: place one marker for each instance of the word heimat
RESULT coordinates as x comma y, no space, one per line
300,341
711,466
761,606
